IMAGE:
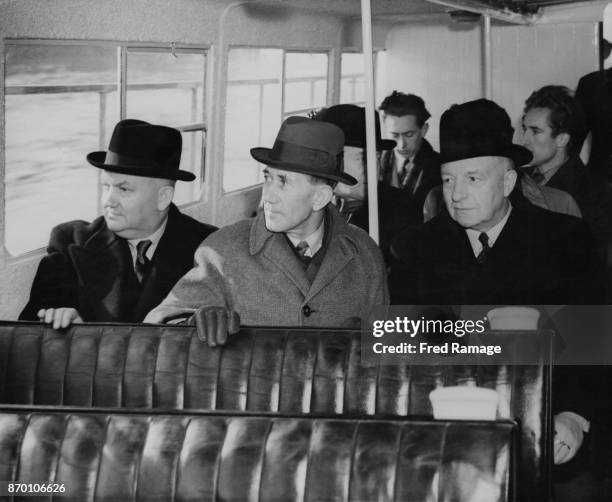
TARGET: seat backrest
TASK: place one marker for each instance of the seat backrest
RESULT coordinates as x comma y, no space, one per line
293,371
147,457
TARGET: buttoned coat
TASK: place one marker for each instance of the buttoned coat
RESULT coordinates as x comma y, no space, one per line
89,268
246,268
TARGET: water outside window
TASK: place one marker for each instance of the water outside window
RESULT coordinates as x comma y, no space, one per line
49,131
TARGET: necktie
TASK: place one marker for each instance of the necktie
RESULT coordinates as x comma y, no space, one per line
484,240
302,248
405,173
141,267
537,176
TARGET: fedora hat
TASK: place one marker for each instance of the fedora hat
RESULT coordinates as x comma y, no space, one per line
309,147
352,120
479,128
142,149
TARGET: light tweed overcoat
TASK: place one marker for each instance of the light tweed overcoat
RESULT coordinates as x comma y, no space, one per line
249,269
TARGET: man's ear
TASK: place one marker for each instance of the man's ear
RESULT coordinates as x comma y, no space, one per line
425,128
510,177
322,196
164,197
562,139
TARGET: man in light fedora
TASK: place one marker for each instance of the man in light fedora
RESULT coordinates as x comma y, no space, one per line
297,263
118,267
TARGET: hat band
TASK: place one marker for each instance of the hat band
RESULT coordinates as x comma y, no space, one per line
116,159
311,157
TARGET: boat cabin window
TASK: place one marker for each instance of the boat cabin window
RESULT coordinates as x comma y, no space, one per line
62,102
264,86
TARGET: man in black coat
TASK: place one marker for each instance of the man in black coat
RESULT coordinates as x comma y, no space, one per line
489,248
124,263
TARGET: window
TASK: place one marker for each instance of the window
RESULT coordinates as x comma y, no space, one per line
305,82
352,77
264,87
62,102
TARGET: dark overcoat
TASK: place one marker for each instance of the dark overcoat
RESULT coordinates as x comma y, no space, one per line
89,268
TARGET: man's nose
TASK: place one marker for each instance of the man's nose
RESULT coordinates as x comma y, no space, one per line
269,193
458,192
108,197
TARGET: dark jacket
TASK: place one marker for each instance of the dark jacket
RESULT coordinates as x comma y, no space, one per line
594,93
591,193
89,268
426,169
540,257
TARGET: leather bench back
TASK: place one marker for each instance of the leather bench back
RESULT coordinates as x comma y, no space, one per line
137,457
291,371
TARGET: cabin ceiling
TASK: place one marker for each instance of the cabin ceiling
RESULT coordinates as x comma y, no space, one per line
387,8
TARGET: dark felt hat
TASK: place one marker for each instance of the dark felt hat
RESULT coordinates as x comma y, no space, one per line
309,147
352,120
479,128
142,149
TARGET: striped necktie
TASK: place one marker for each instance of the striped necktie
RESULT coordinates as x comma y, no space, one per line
141,267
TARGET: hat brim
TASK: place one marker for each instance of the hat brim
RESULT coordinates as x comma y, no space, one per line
262,155
97,159
518,154
387,144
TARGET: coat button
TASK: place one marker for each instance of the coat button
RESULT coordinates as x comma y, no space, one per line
306,310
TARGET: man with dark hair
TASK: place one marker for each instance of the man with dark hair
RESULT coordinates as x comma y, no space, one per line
118,267
297,263
413,165
553,124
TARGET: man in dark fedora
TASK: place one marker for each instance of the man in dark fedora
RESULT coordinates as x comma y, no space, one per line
297,263
395,209
489,248
490,245
122,264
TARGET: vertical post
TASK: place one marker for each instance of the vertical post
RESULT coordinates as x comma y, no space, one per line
122,82
101,138
372,171
488,57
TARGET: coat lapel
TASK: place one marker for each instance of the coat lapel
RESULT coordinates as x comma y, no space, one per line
101,264
275,248
165,266
340,251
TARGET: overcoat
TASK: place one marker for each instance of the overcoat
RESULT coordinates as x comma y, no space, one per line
540,257
246,268
89,268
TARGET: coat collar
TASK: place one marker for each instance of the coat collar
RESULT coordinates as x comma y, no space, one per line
341,249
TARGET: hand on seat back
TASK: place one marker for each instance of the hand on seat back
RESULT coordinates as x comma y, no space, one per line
61,317
569,435
214,324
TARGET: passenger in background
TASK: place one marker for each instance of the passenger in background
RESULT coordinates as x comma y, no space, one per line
594,93
553,124
395,210
297,263
413,165
486,249
122,264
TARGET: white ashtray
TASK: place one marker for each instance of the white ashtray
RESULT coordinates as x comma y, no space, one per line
464,403
514,318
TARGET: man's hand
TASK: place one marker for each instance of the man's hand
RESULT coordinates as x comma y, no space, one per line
569,435
60,317
214,324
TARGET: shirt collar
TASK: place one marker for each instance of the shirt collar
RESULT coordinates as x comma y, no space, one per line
155,237
314,240
492,233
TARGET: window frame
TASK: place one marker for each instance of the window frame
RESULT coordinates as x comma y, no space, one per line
122,48
328,51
